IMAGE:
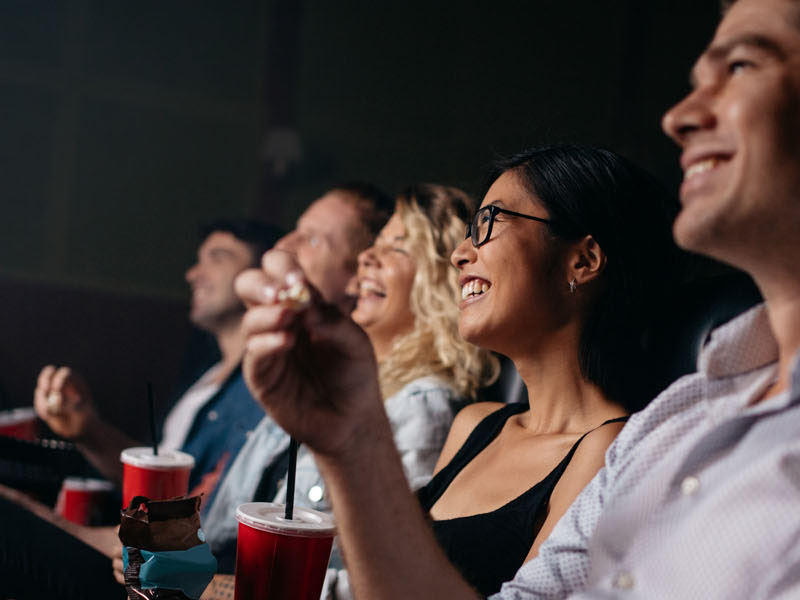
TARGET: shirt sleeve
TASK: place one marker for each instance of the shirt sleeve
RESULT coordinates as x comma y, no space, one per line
420,422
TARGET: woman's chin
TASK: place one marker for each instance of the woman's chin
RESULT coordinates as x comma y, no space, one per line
475,334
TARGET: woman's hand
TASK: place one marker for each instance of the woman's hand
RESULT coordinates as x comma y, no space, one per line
309,365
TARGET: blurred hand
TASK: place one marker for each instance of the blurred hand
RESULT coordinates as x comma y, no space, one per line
63,401
310,366
116,561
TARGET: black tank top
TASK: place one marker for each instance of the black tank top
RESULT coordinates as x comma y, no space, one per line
489,548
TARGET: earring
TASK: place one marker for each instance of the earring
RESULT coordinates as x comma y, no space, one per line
573,285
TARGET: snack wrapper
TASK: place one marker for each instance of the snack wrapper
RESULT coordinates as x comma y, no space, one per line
164,552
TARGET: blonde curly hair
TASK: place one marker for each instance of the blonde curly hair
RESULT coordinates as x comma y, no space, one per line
435,218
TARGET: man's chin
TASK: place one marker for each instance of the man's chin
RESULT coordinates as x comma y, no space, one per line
690,232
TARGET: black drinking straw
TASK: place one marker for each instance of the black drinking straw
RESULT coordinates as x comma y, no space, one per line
152,411
290,478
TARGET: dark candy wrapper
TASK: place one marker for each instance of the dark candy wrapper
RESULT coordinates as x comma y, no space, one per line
164,549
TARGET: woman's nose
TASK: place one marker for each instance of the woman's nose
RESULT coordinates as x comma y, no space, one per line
463,254
367,257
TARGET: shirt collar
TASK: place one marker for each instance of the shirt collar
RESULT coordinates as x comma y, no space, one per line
742,344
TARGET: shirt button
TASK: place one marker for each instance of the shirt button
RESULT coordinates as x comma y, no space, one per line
213,415
315,493
623,581
690,485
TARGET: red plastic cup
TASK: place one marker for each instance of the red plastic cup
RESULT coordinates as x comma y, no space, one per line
80,499
157,477
277,558
19,423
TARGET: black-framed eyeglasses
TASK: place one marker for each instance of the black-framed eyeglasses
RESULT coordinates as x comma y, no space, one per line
480,229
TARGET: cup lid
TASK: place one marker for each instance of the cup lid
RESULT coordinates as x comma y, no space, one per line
269,516
88,484
143,457
17,415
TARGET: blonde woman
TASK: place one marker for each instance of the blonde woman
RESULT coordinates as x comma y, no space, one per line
406,293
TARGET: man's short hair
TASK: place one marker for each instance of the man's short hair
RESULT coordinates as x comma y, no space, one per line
374,207
258,236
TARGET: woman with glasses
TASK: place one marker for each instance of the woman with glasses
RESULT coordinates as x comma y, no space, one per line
557,272
564,264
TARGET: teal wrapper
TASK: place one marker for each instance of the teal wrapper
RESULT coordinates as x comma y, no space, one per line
187,570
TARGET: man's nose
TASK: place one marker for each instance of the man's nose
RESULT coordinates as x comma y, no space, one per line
691,114
287,243
192,273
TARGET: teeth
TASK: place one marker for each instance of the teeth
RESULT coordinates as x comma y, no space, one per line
369,287
700,167
474,287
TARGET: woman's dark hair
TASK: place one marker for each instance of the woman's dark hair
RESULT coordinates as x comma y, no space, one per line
590,191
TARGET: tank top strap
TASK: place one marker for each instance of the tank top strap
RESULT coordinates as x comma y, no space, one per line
556,473
481,436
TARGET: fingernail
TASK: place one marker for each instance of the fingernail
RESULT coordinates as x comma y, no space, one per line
268,292
293,277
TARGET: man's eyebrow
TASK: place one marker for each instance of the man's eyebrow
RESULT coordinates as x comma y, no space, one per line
718,53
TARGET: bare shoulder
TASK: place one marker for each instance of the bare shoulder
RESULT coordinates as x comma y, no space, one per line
463,424
469,417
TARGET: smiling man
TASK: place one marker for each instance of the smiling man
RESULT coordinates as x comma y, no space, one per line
698,498
326,242
330,234
211,418
42,555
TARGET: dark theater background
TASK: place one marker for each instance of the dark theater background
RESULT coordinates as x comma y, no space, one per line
126,124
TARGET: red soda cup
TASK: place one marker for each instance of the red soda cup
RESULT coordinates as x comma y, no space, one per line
278,558
155,476
18,423
80,499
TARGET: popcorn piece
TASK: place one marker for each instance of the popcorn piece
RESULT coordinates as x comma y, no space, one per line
297,296
53,402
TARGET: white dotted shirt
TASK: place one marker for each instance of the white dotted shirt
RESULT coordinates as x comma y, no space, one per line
700,495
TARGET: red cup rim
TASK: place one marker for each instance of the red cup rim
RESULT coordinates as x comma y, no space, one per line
16,416
87,484
168,460
269,516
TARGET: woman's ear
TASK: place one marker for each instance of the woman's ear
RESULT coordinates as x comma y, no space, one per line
586,261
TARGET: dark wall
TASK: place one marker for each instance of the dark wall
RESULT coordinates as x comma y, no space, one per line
433,91
125,124
117,342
